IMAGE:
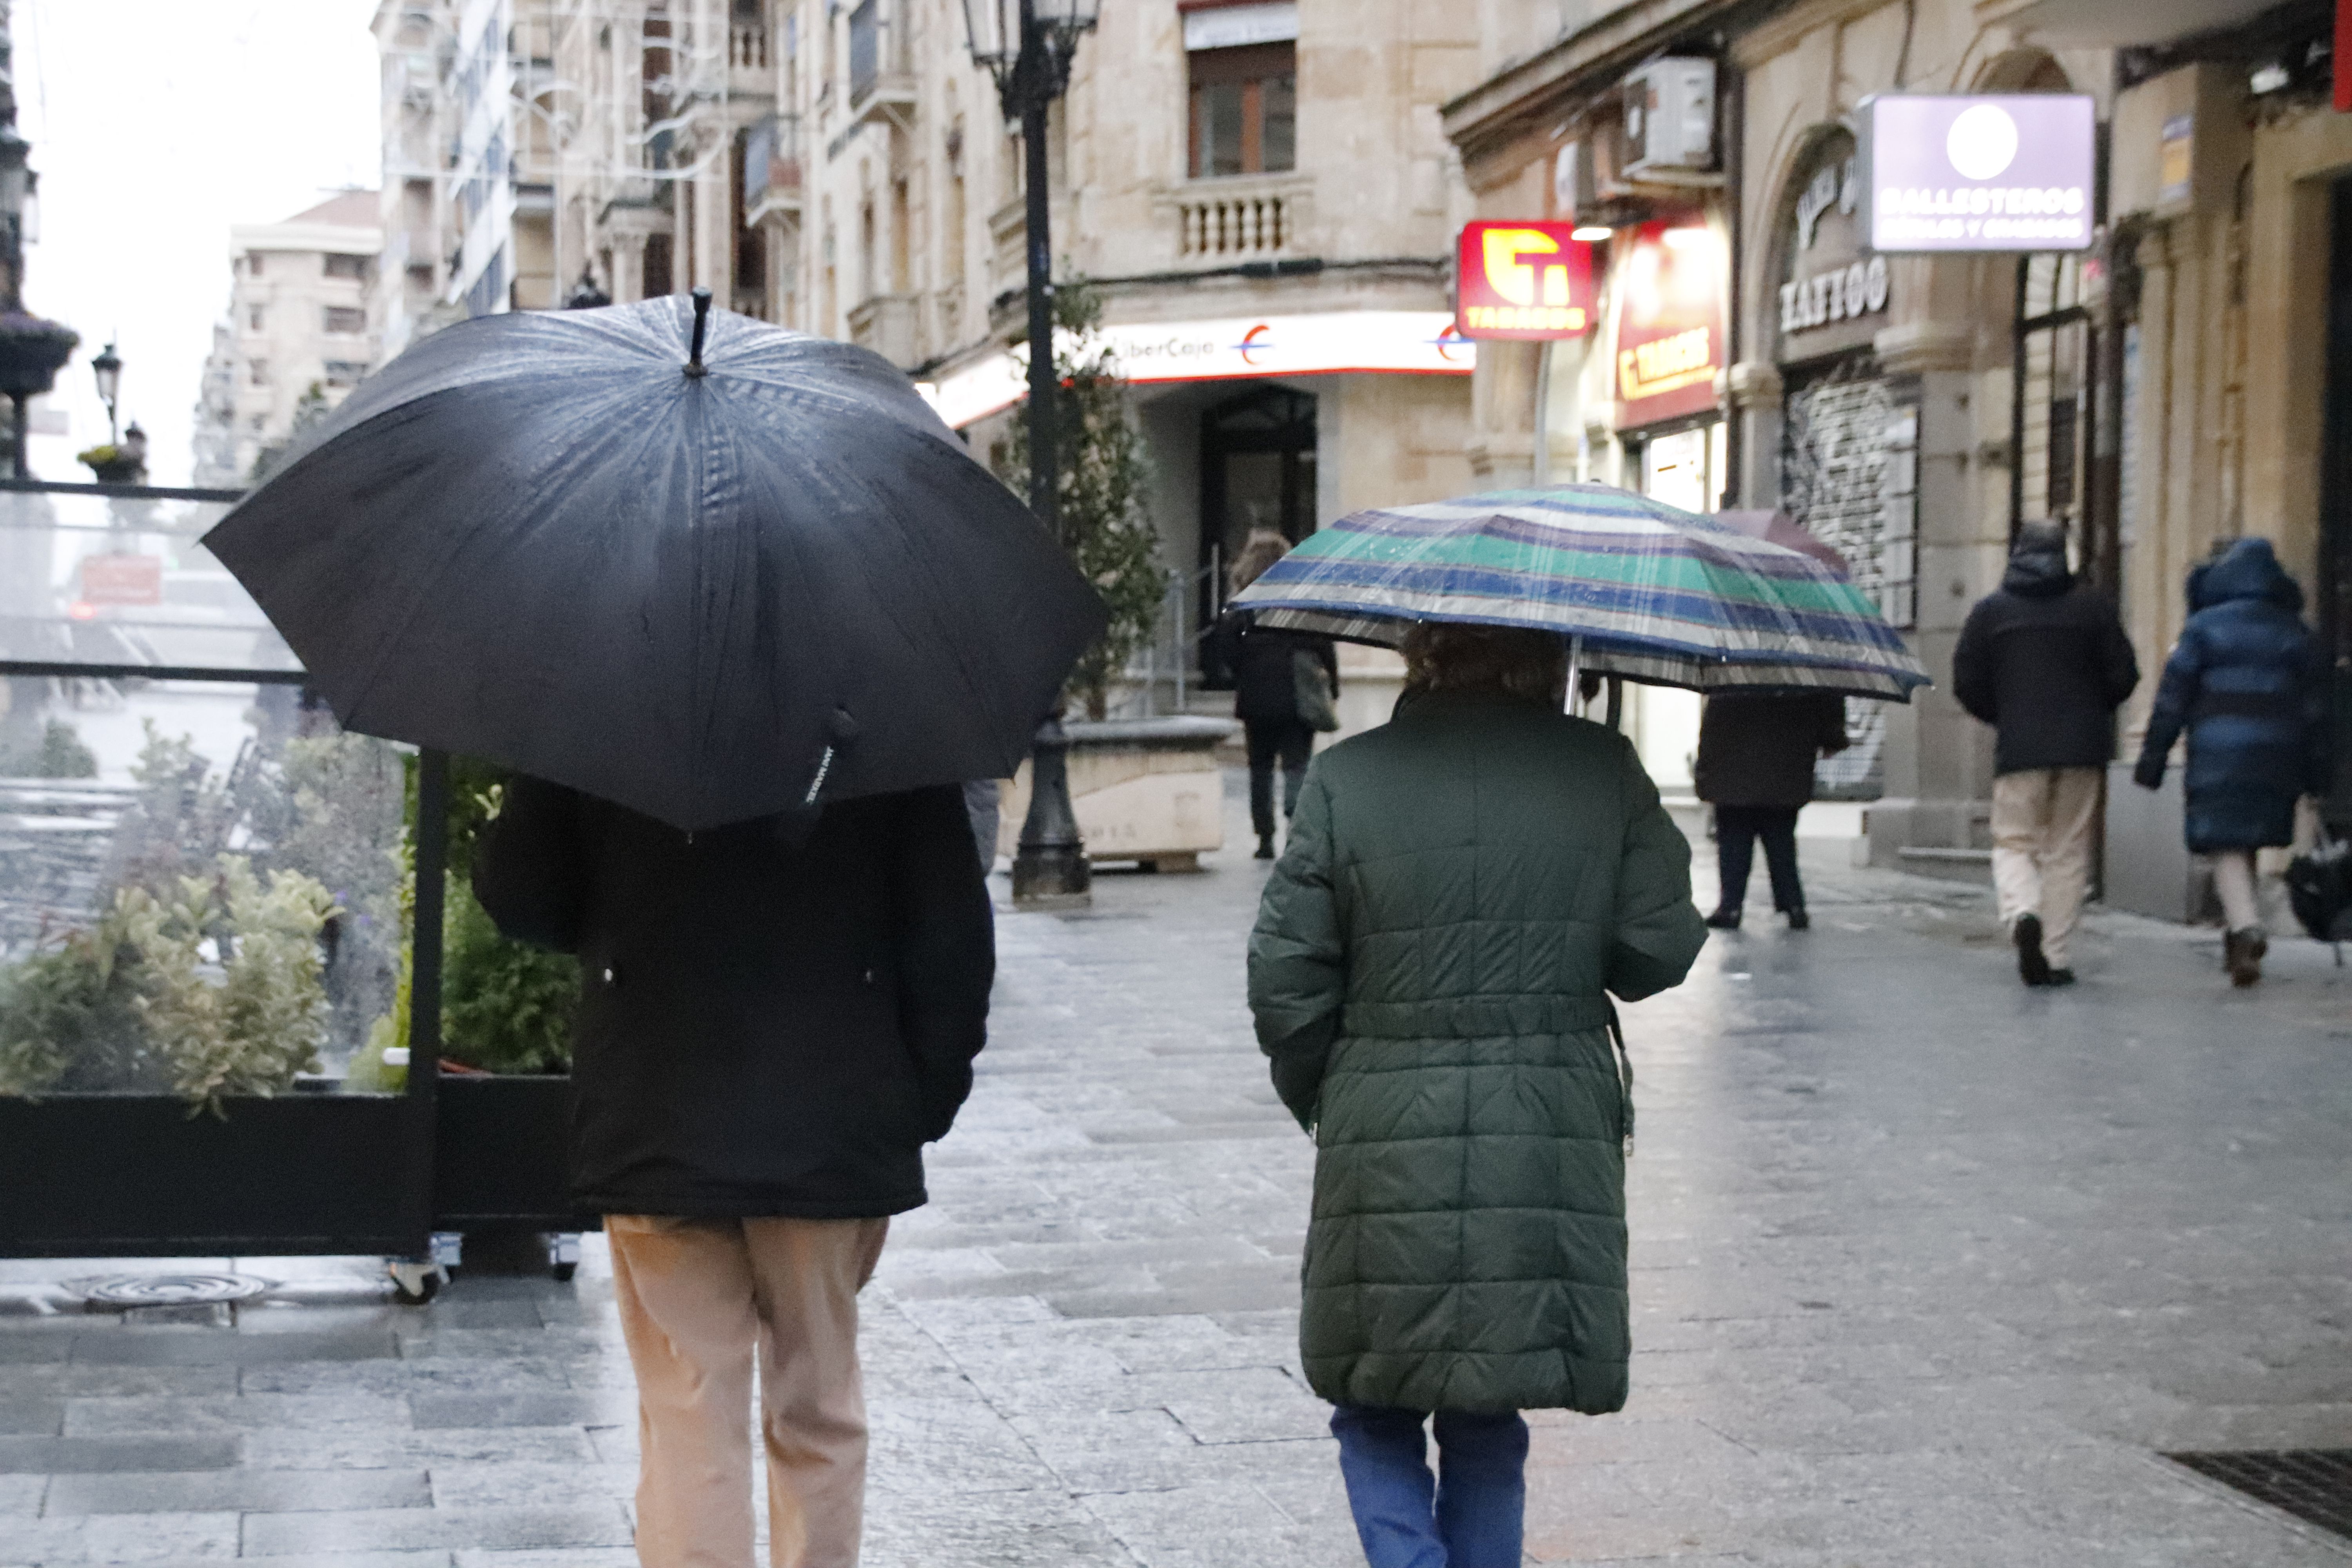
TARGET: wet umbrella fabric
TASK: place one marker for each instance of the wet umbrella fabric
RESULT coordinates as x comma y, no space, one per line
540,540
1655,594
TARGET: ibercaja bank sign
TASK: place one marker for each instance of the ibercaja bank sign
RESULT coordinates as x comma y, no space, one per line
2015,172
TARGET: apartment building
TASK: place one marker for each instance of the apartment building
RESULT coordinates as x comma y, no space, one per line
472,114
297,333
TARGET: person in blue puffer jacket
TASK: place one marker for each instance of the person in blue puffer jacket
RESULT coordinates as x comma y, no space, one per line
2249,683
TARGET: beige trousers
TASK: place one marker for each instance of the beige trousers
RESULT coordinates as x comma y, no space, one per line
2042,821
699,1300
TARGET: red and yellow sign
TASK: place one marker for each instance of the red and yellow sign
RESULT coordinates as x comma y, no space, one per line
1526,280
1669,323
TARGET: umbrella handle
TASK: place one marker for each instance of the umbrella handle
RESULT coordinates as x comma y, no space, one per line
701,325
1575,657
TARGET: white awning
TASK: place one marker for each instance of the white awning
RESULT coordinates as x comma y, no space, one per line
1376,342
1233,27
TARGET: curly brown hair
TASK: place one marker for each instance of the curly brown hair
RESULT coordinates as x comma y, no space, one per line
1450,656
1261,550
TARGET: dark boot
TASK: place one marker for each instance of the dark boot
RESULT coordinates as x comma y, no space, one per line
2031,966
1726,918
1265,847
1799,919
2241,954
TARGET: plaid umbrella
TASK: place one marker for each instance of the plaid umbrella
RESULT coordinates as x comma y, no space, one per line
1653,592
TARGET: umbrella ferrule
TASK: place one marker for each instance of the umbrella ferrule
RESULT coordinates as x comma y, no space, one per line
694,365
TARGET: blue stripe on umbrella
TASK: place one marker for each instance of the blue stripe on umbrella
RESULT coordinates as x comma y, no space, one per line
1688,608
1662,542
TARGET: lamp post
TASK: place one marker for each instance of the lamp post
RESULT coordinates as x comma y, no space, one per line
1027,45
32,350
106,369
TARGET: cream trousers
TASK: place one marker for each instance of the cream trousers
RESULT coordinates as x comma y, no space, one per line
700,1301
2042,821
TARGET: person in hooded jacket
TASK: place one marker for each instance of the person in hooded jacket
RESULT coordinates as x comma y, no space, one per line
2249,683
1463,889
774,1018
1265,661
2044,660
1755,766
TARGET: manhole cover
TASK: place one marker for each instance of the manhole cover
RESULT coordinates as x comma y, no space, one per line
2312,1484
168,1289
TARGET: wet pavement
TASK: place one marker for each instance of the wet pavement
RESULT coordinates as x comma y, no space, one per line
1929,1270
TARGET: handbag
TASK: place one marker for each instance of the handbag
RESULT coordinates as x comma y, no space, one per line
1318,706
2319,889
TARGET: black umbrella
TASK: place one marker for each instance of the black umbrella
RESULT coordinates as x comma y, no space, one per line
709,581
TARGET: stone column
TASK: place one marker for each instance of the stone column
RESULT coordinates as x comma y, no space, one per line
1755,392
1939,759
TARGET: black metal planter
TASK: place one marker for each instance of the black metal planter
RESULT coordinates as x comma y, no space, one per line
316,1171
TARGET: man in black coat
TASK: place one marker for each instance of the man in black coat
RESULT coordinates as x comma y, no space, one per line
1755,766
2044,660
775,1017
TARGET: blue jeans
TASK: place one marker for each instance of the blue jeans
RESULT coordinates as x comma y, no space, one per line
1470,1516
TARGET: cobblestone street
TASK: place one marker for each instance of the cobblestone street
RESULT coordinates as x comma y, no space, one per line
1929,1270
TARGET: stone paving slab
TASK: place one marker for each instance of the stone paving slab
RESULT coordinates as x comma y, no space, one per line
1927,1269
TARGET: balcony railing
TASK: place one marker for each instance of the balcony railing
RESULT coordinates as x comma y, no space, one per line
1241,218
771,166
747,46
1234,225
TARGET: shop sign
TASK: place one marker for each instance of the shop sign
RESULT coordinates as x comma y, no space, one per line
2012,173
1669,304
1834,292
2175,160
122,580
1407,343
1522,280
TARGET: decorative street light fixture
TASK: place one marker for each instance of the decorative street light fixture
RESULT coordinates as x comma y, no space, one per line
1027,45
107,371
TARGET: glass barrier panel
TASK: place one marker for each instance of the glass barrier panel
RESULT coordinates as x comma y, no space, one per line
110,580
202,892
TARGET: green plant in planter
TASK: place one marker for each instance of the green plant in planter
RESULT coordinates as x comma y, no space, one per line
138,1003
1102,477
59,754
506,1006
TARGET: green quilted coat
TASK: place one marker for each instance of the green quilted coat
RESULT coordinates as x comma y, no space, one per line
1461,887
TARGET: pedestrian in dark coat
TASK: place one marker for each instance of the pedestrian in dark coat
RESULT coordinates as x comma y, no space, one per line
2044,660
1266,665
2249,684
1463,889
774,1017
1755,766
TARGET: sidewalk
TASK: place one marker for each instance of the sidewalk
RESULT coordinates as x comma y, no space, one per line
1929,1270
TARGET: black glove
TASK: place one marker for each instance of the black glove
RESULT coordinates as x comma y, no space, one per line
2149,773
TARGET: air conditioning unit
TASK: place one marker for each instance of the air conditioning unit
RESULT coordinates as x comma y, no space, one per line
1670,117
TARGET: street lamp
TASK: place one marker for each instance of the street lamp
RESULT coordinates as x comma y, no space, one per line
32,350
107,370
1026,44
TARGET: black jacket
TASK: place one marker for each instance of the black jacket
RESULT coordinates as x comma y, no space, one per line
2044,660
1263,659
774,1016
1758,747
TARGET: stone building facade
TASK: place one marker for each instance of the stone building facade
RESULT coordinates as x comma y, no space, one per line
1260,191
297,328
1872,396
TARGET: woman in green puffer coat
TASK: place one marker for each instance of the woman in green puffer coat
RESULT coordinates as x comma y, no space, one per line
1463,889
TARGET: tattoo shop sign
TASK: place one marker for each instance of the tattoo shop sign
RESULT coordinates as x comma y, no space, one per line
1833,289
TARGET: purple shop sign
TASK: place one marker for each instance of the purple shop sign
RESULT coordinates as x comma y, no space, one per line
2012,172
